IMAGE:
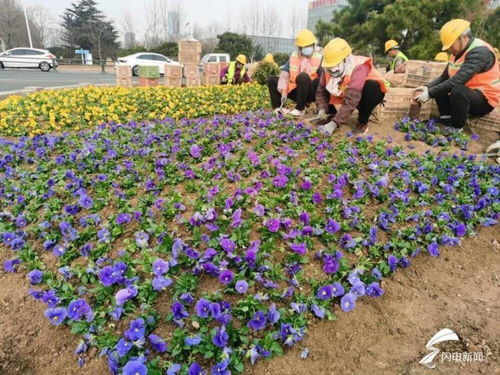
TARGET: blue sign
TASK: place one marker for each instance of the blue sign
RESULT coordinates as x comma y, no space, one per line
82,51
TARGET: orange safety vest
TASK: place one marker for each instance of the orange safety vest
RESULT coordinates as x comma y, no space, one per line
373,74
487,82
314,62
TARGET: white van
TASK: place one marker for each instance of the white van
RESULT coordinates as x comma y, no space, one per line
214,57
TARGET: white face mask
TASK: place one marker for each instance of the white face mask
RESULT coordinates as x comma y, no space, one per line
338,70
307,51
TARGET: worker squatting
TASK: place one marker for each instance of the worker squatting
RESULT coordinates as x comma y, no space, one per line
339,81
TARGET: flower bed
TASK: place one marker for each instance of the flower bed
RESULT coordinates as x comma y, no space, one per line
434,135
204,245
76,109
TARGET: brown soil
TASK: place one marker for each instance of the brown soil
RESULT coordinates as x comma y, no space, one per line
459,290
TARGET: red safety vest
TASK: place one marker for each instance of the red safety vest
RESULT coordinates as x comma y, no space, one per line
487,82
373,74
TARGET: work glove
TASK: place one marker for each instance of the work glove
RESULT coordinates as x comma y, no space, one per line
423,97
421,88
322,115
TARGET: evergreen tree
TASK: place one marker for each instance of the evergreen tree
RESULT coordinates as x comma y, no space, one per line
86,27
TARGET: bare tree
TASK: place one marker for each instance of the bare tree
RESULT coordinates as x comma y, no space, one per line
163,15
208,36
13,29
256,19
153,27
297,19
271,22
127,22
43,22
128,28
176,19
251,19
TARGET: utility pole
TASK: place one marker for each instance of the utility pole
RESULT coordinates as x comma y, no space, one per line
27,25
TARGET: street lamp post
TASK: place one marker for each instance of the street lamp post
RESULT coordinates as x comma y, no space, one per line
27,24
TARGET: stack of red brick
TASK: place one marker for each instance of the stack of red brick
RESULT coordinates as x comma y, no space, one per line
189,56
173,76
211,72
123,76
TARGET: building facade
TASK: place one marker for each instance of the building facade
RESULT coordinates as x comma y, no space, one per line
274,45
322,10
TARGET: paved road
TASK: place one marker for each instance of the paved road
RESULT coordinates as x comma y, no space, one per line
16,79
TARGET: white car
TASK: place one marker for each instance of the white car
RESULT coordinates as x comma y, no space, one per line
146,58
24,57
214,57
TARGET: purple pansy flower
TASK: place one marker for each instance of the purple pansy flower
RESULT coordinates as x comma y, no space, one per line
318,311
157,343
160,283
35,277
241,286
192,340
460,229
227,245
179,311
337,290
348,302
299,248
332,226
160,267
221,368
136,330
258,321
56,315
174,369
123,218
135,367
195,151
221,337
123,347
195,369
273,225
85,201
433,249
374,290
10,265
124,295
226,277
77,309
273,315
141,239
202,308
325,292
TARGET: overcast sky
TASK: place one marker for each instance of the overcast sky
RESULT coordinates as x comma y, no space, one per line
201,12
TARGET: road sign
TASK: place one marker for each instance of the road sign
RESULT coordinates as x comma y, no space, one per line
82,51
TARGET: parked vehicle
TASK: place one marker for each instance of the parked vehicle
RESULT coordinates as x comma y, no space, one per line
146,58
214,57
24,57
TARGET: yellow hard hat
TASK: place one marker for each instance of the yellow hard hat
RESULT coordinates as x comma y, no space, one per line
390,44
269,58
441,56
305,38
451,31
334,52
242,59
497,53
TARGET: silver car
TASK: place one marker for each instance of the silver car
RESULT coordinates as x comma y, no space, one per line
27,58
